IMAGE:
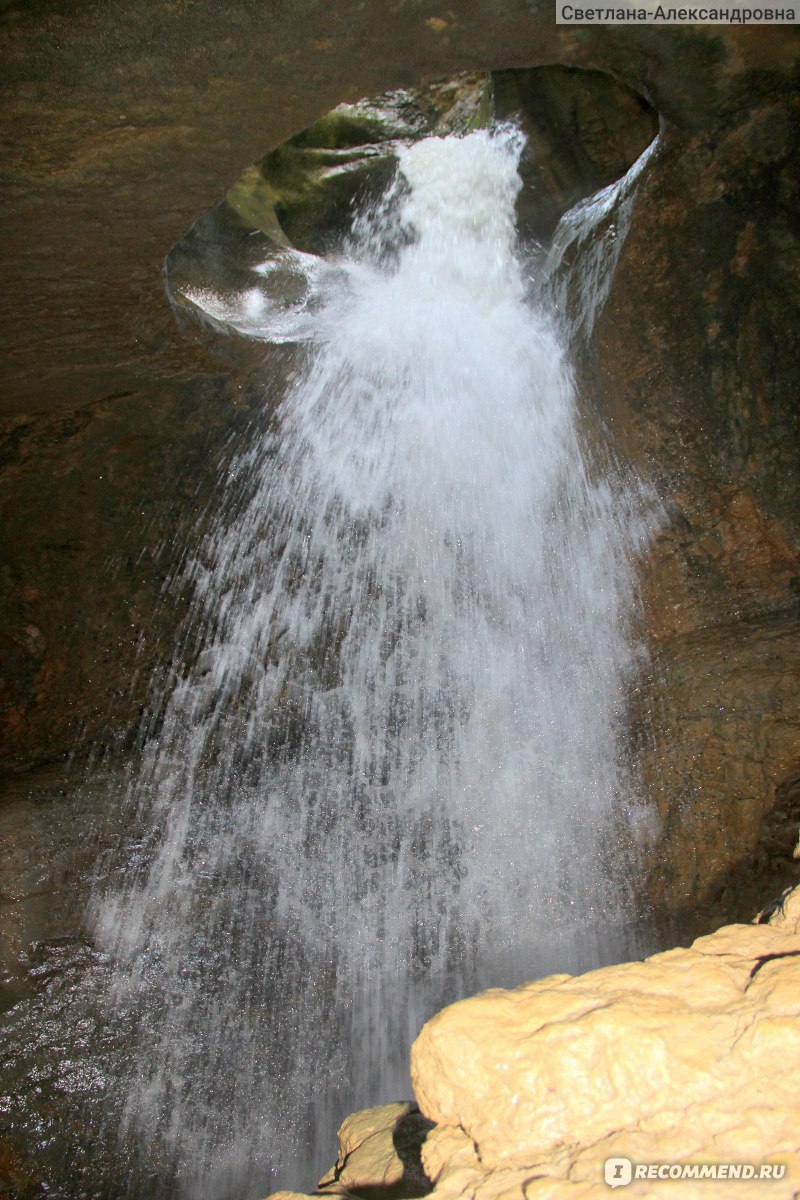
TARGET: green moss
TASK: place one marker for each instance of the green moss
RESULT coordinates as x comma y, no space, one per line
302,193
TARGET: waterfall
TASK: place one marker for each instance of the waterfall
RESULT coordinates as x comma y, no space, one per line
393,775
594,232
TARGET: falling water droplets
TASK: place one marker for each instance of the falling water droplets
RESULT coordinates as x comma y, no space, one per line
393,776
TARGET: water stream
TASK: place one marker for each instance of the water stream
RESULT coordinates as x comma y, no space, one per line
396,772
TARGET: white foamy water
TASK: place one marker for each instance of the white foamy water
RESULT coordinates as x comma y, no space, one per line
394,775
593,232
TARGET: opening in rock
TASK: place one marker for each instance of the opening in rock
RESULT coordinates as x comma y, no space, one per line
583,131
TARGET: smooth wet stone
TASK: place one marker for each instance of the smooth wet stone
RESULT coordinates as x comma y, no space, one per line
56,827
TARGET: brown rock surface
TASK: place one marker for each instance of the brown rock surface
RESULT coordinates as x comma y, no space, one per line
698,384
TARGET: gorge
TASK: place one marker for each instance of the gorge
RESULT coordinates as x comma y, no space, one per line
689,364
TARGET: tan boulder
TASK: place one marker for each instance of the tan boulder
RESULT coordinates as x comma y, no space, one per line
288,1196
692,1056
690,1059
379,1156
379,1151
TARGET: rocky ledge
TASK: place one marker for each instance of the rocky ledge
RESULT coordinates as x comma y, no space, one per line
690,1057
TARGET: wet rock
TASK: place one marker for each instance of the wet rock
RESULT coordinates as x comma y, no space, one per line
308,185
303,195
55,827
17,1174
584,130
701,403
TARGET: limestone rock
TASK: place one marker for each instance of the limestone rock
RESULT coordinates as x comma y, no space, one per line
379,1155
690,1056
447,1146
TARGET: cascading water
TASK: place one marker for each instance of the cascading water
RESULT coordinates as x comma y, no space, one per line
393,775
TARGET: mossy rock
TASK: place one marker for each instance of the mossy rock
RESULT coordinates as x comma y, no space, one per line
303,193
583,130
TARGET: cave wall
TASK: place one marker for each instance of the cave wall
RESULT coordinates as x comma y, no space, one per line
694,363
123,122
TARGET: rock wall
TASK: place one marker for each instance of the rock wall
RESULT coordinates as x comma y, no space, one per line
689,1058
693,364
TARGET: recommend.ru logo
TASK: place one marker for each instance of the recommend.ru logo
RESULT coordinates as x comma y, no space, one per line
619,1172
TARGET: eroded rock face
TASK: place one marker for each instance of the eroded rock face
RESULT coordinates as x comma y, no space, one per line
692,367
582,131
691,1056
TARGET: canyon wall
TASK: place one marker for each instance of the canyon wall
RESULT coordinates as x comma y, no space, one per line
693,363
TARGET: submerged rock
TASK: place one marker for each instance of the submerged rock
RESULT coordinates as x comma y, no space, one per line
690,1057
